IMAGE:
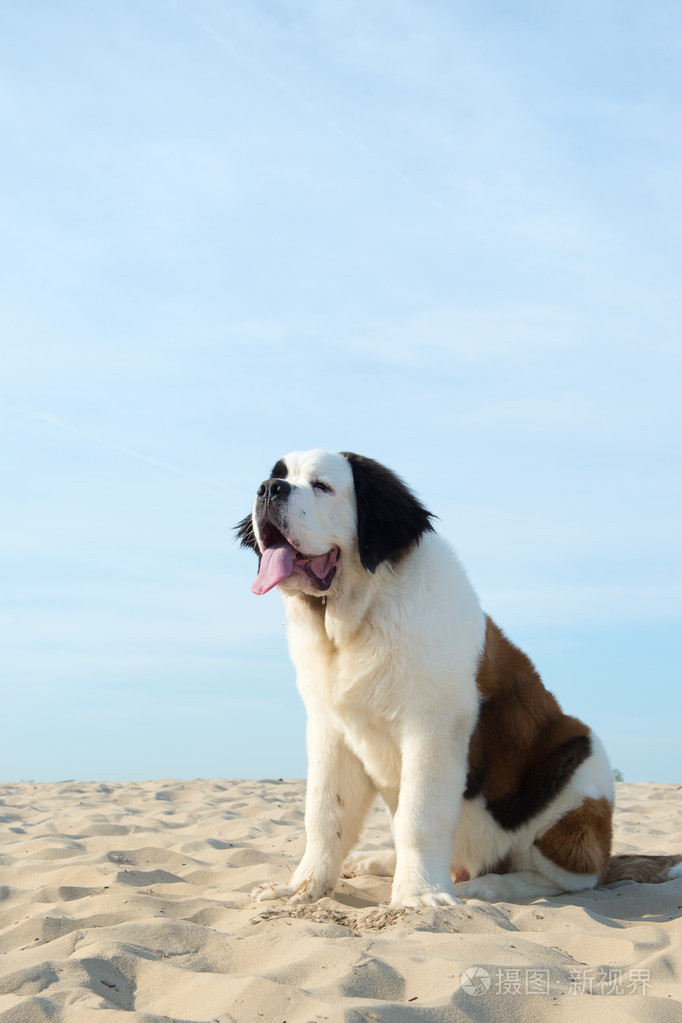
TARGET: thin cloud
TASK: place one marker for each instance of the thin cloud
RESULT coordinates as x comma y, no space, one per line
353,140
59,424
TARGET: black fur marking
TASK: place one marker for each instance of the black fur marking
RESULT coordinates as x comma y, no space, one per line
279,470
478,772
390,518
543,783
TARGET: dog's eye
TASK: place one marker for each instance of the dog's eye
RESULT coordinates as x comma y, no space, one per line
322,486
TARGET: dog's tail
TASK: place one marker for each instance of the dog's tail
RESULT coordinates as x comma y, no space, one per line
646,869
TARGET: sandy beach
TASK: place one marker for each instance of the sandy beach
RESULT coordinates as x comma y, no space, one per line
131,901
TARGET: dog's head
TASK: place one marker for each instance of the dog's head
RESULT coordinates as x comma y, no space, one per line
320,512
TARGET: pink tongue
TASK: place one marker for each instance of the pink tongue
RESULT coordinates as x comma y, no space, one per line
323,564
276,564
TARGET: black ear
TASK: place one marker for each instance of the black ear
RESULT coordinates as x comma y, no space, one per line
390,518
246,535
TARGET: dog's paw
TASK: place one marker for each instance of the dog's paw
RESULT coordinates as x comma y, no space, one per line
480,888
426,900
379,863
416,894
297,895
269,891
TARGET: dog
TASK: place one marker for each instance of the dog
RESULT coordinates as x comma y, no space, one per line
412,692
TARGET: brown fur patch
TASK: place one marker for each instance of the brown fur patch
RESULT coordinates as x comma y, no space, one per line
581,840
645,869
503,866
523,749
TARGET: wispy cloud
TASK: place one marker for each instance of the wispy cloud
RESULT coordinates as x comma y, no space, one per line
59,424
353,139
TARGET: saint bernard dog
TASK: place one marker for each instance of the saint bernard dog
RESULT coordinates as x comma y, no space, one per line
412,692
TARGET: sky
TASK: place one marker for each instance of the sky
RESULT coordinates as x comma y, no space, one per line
444,235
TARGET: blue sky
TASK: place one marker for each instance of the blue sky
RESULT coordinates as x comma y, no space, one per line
447,236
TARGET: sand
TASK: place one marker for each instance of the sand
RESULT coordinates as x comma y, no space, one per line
130,901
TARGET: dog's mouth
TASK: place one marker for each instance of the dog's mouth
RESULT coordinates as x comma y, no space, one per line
280,560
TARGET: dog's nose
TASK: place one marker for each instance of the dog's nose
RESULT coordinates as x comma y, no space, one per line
273,490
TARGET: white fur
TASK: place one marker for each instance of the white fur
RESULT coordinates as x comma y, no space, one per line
386,666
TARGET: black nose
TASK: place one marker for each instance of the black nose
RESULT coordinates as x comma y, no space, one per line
272,490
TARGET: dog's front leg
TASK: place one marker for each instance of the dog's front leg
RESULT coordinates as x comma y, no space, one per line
431,785
338,795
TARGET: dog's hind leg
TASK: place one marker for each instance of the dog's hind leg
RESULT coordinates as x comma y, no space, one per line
571,856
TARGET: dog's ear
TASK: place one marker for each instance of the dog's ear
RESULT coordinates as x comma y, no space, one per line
390,518
246,535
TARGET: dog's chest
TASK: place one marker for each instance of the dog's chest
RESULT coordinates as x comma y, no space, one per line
361,684
362,693
368,718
